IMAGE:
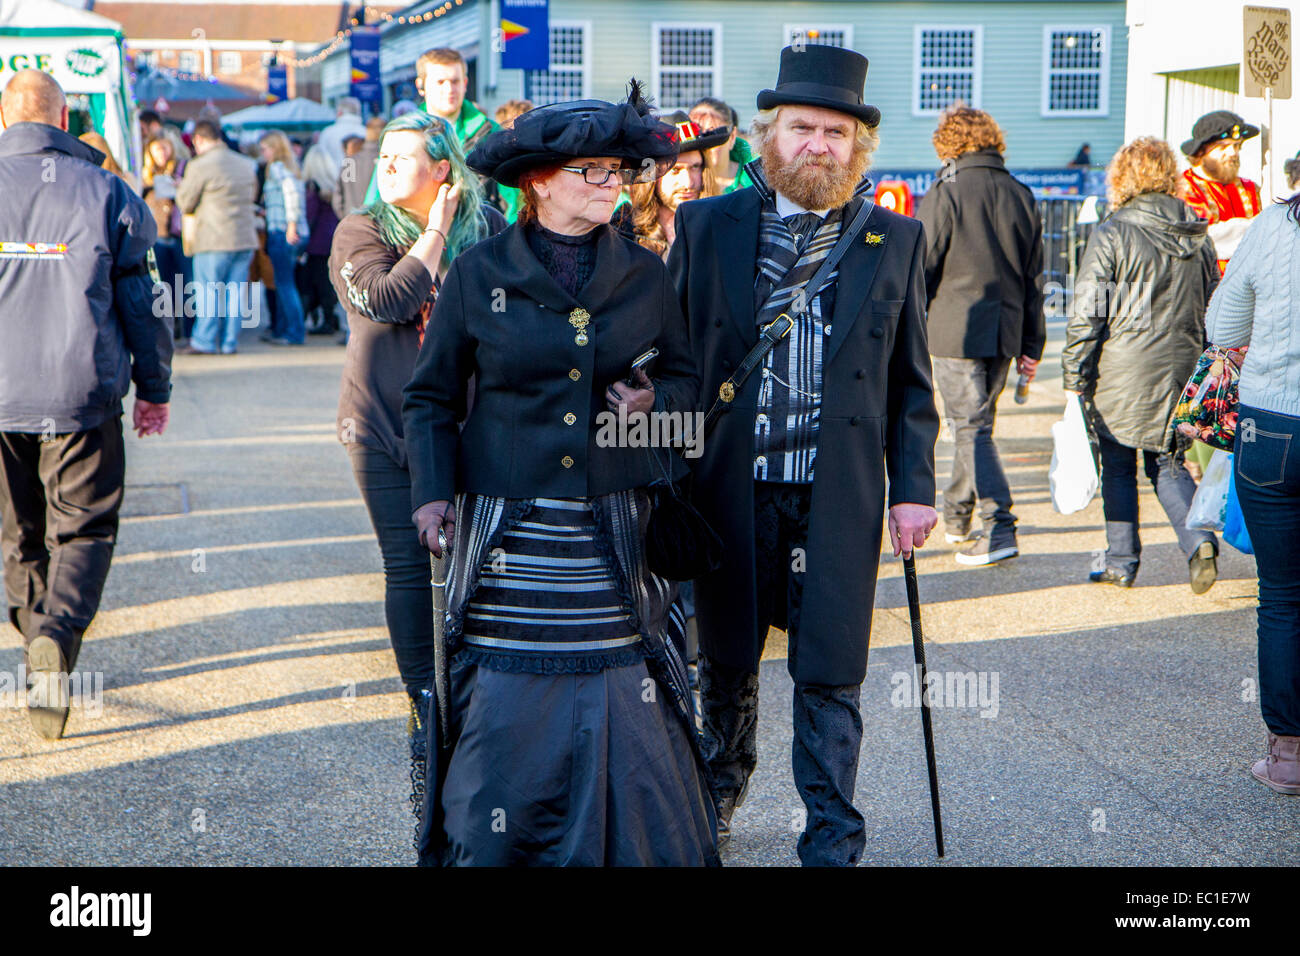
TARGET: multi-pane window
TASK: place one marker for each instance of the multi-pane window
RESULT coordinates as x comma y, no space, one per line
687,63
947,61
1076,71
189,61
806,34
567,79
229,61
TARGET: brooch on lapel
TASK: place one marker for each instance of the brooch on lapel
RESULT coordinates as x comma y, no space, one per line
579,319
873,238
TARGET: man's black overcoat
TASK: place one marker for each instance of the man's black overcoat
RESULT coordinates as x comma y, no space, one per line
878,421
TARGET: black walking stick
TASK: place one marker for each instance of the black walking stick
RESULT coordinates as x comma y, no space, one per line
428,841
918,651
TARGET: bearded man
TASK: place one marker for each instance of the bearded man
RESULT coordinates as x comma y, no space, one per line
793,477
649,217
1213,186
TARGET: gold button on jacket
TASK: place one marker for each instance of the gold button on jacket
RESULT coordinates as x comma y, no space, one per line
570,418
566,461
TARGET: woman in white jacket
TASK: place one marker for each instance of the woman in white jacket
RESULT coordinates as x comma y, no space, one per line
1258,304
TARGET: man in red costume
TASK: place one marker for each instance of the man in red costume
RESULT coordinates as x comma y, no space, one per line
1212,187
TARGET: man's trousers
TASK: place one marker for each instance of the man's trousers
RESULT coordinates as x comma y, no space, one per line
59,503
827,720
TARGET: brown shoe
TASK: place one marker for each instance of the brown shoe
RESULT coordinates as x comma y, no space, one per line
191,350
1280,770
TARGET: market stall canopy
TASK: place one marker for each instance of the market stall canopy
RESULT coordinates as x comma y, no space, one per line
175,89
297,114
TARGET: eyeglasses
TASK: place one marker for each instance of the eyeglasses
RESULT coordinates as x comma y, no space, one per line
599,175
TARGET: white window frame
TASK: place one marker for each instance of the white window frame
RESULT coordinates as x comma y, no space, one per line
1103,98
656,62
237,59
181,57
790,29
146,58
977,69
587,57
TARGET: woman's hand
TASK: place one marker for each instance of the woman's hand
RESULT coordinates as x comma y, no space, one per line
638,398
429,518
291,234
443,210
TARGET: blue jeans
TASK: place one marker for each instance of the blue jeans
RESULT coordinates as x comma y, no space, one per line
1119,495
1267,467
289,323
223,286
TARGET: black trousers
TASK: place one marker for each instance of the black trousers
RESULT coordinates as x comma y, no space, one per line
827,720
970,390
313,278
60,501
1119,494
408,569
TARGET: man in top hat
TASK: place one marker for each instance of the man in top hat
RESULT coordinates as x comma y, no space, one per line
1212,187
793,477
649,217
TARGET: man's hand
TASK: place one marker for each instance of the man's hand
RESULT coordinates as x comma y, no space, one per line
429,518
291,234
148,418
1027,366
909,526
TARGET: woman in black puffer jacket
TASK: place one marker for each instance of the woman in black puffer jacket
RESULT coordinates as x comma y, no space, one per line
1135,332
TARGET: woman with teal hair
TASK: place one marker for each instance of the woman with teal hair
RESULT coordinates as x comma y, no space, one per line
387,264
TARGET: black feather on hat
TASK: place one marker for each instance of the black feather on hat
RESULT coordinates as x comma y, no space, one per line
564,131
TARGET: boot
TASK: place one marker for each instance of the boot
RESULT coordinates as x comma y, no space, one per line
1280,770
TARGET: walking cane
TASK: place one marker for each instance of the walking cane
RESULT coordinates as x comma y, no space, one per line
429,834
441,683
918,651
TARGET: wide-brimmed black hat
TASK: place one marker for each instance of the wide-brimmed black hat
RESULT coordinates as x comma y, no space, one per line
564,131
691,138
1221,124
826,76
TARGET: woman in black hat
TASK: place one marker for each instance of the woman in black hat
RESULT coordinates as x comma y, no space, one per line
648,218
570,739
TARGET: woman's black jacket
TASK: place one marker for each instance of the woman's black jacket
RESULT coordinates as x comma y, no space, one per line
502,317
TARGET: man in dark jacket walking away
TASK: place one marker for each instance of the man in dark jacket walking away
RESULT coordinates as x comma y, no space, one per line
982,272
793,478
1136,330
77,326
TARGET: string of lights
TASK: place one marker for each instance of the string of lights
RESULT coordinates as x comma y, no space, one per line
375,19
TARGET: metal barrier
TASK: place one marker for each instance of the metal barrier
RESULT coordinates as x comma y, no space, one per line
1064,239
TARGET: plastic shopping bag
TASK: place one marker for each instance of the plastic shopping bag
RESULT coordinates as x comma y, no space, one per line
1234,523
1210,503
1073,473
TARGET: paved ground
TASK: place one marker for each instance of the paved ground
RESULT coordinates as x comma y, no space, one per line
252,715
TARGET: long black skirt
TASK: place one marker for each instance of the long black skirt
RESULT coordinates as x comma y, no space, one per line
571,770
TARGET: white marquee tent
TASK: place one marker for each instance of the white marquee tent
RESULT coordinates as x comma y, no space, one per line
84,53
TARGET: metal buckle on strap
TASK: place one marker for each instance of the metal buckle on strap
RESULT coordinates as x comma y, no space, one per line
778,336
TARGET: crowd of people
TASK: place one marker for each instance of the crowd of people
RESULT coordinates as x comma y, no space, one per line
505,283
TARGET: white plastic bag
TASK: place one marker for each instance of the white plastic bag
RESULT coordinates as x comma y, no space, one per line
1073,474
1210,503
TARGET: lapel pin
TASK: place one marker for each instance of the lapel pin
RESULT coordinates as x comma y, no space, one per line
873,238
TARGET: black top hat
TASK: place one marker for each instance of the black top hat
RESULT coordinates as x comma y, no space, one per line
826,76
1221,124
563,131
689,136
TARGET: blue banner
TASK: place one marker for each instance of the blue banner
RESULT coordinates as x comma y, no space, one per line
1044,182
525,35
365,67
277,83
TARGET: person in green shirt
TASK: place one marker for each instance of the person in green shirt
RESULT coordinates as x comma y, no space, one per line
442,78
726,162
